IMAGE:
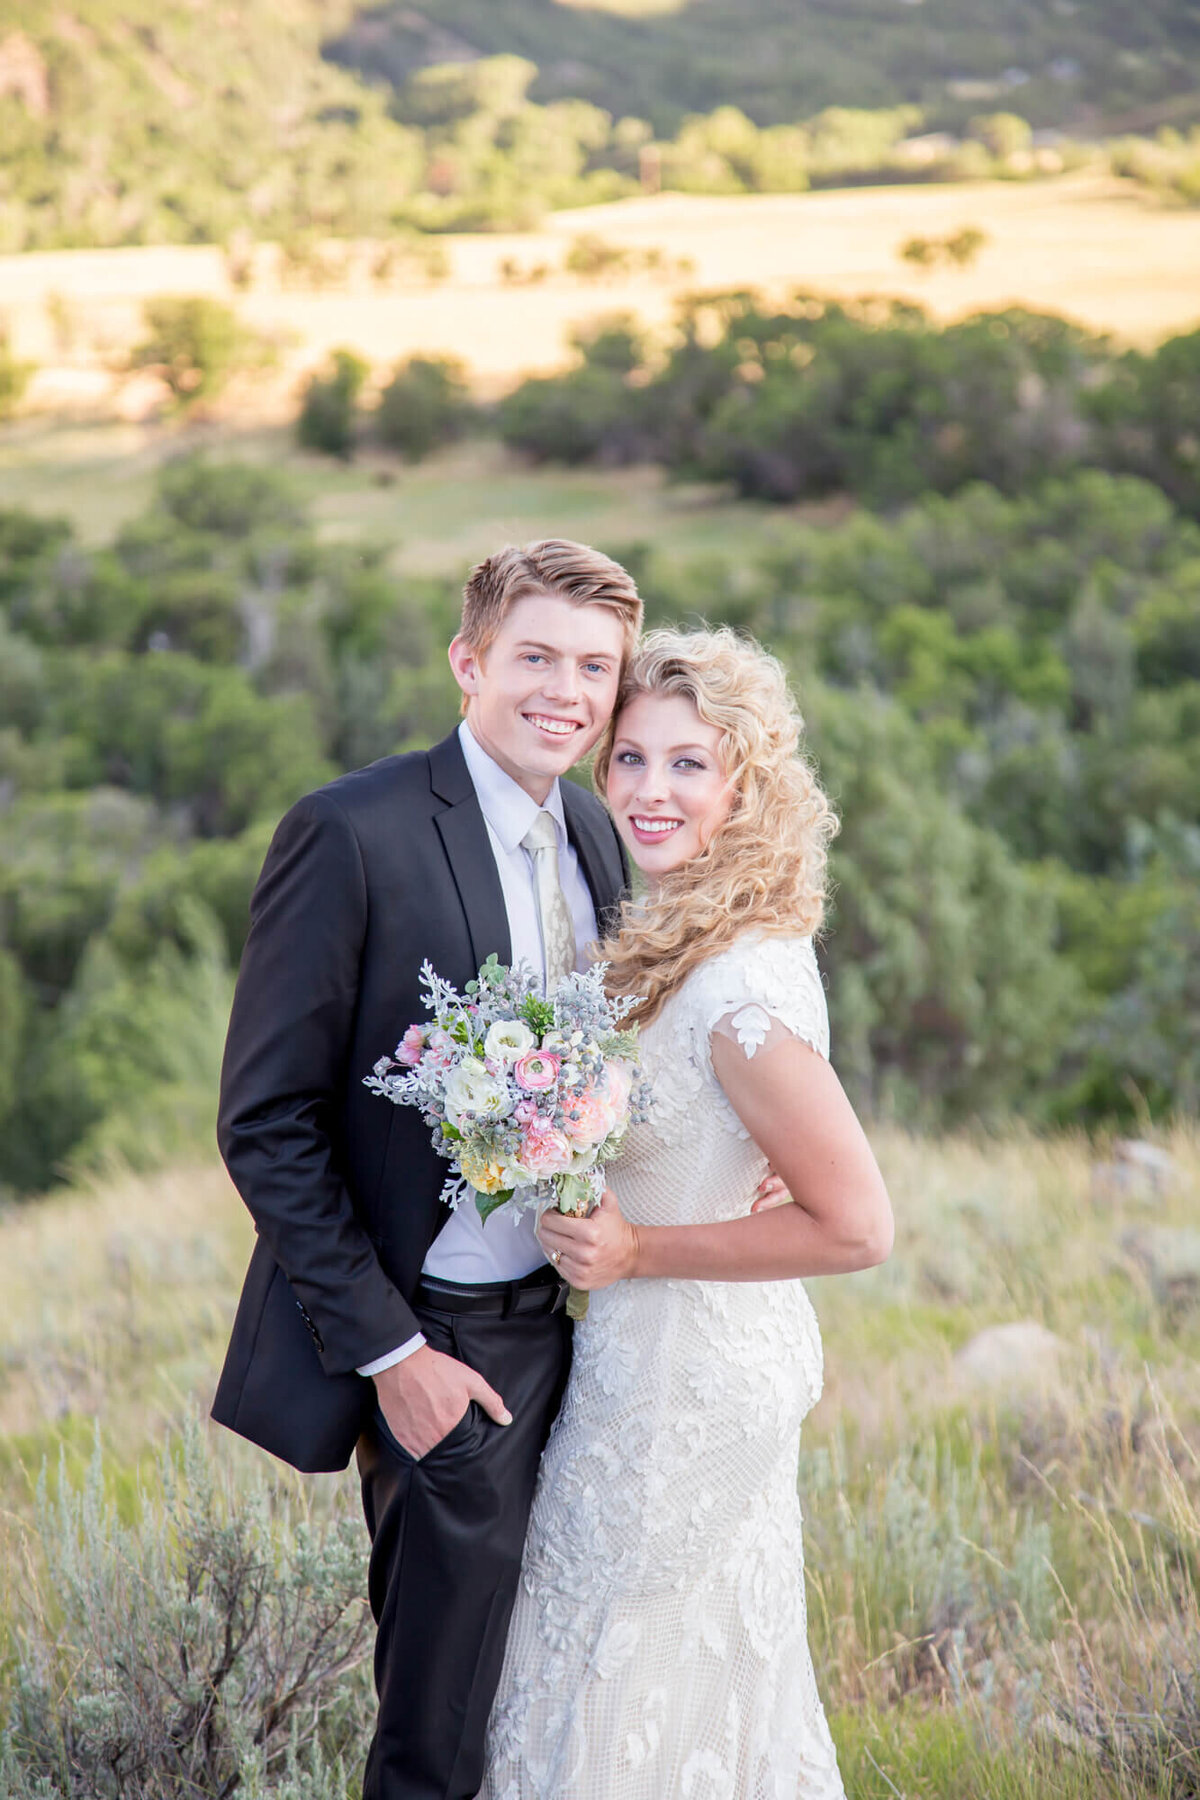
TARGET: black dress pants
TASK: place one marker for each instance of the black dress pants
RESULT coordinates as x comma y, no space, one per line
447,1532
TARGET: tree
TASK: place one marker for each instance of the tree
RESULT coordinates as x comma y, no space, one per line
14,378
1004,134
1150,414
1146,1041
327,414
948,997
196,344
424,405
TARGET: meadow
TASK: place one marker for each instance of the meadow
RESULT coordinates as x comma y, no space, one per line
1002,1550
435,517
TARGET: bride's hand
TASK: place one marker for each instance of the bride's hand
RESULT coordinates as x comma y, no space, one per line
592,1252
771,1192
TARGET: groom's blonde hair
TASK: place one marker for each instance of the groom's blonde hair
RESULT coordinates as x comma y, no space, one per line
555,566
763,869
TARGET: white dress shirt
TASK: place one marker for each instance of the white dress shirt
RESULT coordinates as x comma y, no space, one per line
464,1250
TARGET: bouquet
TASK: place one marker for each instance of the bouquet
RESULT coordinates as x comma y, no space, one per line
527,1097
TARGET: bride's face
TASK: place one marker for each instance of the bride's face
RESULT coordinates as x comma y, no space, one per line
666,787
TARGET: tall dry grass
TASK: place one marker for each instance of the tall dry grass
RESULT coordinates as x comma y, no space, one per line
1003,1565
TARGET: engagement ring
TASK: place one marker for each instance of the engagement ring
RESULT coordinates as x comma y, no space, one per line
556,1257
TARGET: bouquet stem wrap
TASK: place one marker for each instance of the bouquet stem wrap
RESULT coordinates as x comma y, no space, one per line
578,1196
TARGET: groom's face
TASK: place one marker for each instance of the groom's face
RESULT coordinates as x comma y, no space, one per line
542,692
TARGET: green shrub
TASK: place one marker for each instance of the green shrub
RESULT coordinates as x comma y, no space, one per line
424,405
327,414
230,499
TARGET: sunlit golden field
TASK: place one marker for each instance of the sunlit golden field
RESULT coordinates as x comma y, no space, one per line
1090,247
993,1551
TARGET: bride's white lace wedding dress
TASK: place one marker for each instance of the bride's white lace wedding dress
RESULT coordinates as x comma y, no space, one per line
658,1648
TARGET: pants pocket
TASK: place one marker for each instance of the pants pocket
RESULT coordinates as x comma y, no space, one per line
456,1435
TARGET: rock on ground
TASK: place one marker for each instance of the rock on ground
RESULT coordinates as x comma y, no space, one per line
1021,1353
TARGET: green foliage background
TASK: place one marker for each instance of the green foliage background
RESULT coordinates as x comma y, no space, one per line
998,652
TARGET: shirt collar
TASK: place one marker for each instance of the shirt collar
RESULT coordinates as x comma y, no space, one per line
508,809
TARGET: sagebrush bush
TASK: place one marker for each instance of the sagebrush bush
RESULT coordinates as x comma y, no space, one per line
211,1646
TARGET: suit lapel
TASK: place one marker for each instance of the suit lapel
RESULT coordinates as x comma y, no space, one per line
468,850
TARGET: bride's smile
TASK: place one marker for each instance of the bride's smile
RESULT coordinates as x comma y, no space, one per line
666,787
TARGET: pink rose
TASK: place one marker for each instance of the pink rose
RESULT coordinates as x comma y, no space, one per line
537,1070
525,1112
588,1118
544,1150
411,1047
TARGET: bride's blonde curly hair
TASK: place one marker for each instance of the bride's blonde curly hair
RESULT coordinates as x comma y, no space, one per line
763,869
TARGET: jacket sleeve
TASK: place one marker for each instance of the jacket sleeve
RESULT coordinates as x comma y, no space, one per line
283,1073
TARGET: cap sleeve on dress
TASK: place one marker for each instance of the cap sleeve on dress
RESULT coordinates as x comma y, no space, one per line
761,992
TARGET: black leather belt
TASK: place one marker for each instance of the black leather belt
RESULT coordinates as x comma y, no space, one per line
541,1292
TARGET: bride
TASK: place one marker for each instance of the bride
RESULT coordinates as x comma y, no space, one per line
658,1649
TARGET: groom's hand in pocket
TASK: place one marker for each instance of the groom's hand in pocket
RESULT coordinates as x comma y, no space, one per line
424,1397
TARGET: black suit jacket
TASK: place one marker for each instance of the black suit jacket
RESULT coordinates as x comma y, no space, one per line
364,880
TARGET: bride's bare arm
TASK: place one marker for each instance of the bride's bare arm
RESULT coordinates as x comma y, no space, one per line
795,1109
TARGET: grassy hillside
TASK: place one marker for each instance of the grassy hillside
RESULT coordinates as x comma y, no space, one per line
1001,1558
141,123
783,59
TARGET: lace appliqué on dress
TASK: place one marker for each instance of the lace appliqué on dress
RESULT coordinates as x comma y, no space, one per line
761,990
760,993
752,1026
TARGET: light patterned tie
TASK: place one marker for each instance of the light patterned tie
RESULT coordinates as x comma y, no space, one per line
554,915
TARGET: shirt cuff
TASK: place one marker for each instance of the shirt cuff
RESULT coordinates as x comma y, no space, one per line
393,1356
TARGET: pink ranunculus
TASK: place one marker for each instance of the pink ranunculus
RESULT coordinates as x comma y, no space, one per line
544,1150
411,1047
620,1083
525,1112
537,1070
441,1052
588,1117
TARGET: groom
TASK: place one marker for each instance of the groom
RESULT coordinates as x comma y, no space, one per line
371,1318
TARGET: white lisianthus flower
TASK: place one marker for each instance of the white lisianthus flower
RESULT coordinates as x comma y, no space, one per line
507,1039
471,1093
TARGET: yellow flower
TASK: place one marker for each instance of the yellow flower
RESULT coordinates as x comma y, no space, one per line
486,1174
